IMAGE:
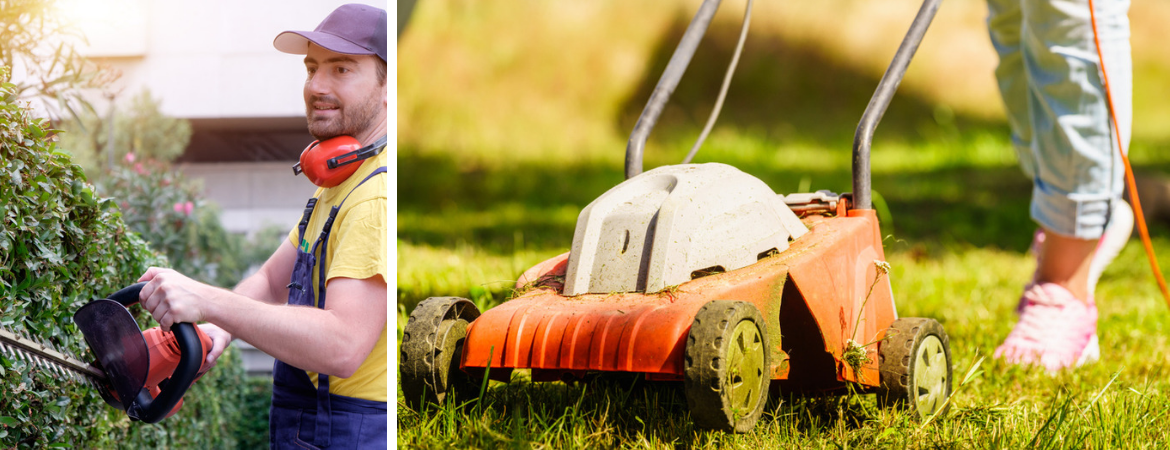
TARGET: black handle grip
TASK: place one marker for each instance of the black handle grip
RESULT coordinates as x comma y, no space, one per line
153,410
128,296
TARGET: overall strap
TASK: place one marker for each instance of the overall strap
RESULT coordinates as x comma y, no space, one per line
327,228
324,406
309,207
304,223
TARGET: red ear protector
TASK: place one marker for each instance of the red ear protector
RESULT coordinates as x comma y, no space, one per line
328,163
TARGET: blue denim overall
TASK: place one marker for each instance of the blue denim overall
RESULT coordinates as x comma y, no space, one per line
304,416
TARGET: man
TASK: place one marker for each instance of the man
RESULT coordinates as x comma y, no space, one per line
1051,80
312,331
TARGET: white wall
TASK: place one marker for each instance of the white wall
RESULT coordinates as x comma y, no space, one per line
211,59
203,59
253,195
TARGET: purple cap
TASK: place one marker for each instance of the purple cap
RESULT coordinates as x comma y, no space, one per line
350,29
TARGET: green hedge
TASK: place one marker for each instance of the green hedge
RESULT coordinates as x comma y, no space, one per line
60,247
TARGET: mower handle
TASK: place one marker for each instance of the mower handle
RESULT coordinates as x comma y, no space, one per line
666,84
863,137
152,410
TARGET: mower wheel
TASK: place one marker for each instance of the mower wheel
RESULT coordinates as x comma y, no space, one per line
726,368
915,367
432,346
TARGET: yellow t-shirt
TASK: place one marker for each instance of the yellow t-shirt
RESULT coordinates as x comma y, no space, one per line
357,249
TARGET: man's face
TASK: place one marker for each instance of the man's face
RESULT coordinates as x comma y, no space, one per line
342,93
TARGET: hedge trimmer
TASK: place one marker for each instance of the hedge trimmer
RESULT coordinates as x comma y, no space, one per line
153,368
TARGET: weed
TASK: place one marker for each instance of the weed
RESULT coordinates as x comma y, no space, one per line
857,354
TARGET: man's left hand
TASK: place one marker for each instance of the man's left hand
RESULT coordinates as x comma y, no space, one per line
173,298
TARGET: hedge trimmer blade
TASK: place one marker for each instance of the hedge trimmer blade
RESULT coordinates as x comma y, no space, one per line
41,355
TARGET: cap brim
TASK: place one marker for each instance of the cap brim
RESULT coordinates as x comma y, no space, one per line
297,43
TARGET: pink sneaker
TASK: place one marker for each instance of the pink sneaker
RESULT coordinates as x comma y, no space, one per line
1055,330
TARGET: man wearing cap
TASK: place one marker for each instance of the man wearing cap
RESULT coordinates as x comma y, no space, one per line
329,381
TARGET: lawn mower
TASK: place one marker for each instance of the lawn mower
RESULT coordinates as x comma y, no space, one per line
700,273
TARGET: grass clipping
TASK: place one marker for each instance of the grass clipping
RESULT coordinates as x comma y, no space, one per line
856,354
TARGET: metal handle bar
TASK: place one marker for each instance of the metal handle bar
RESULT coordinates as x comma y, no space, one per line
863,137
666,84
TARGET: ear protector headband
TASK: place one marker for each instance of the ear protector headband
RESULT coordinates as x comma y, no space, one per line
330,162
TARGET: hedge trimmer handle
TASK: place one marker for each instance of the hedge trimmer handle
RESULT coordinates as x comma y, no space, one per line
192,346
128,296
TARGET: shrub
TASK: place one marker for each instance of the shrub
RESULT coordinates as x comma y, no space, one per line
165,208
140,129
60,247
156,200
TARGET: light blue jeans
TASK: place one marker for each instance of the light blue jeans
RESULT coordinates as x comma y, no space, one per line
1050,79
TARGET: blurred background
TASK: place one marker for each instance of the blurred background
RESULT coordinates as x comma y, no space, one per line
211,65
512,116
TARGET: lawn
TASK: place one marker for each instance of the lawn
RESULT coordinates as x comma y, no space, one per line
958,254
477,208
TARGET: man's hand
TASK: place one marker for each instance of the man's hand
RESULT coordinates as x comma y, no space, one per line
220,339
173,298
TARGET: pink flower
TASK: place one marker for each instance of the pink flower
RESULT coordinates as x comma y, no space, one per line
184,208
138,168
130,157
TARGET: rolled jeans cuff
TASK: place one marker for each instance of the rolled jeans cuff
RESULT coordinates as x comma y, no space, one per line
1069,216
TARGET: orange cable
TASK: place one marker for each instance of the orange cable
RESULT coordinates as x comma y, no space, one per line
1133,194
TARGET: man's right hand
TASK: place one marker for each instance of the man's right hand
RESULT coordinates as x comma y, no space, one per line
220,340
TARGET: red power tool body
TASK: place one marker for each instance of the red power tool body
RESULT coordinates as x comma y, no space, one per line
153,368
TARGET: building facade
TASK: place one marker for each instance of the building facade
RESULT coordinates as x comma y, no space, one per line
212,62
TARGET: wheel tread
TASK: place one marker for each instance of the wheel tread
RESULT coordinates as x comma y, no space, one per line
704,391
896,355
423,381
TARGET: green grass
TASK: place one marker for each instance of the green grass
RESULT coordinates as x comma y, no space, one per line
957,255
502,141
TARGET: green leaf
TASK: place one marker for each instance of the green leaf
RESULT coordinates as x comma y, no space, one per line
9,421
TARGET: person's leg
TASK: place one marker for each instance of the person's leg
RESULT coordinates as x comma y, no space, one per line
1076,172
1117,233
1065,261
1004,23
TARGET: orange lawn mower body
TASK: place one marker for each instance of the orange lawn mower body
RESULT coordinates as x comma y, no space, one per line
700,273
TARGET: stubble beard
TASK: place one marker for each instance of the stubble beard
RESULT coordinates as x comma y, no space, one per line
351,121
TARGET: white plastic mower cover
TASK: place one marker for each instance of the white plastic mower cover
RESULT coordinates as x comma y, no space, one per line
655,230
